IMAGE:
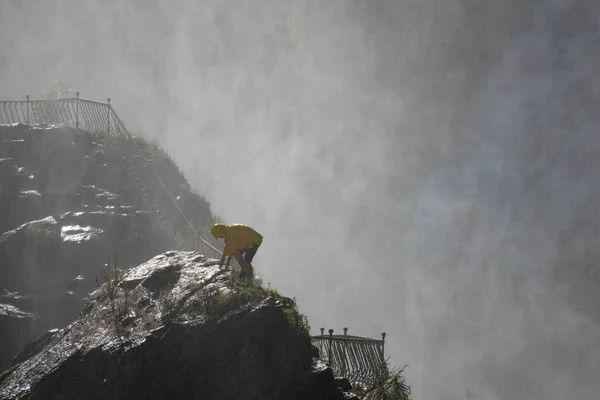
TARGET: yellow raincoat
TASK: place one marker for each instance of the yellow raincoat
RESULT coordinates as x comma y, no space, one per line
237,237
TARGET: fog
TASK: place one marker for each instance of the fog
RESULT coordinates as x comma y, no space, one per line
424,168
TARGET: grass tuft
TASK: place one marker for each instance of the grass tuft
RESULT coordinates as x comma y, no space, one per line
390,384
117,297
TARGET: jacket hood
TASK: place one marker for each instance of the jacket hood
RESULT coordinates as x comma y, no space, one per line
219,230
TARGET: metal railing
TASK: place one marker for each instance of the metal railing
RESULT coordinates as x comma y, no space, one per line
91,116
360,359
96,117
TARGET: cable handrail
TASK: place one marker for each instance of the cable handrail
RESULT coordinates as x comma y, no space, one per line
95,117
162,184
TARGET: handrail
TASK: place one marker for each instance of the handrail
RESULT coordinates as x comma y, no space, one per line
163,186
360,359
92,116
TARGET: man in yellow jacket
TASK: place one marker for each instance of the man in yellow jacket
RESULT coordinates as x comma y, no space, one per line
241,242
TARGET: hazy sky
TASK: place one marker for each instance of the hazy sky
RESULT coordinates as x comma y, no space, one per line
425,168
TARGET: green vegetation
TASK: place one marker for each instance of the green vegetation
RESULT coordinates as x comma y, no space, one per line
195,207
5,378
168,304
153,149
389,384
215,304
297,319
50,112
117,297
244,294
58,90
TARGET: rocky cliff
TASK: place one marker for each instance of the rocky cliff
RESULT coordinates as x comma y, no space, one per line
68,206
175,327
84,314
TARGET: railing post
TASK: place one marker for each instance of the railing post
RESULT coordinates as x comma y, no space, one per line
342,361
108,114
77,111
27,118
322,329
383,345
330,344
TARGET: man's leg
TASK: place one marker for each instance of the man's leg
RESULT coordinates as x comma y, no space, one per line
248,257
239,256
249,269
250,253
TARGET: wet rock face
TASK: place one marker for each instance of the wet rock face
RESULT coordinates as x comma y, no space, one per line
56,260
67,206
46,171
15,327
55,250
184,332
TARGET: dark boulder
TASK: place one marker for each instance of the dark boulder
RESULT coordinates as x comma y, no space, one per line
184,331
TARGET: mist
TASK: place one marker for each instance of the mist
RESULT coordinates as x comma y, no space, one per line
420,168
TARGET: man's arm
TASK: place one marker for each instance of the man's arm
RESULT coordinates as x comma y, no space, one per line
223,260
225,253
228,251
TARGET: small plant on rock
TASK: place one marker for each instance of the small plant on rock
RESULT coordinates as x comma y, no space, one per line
169,306
250,294
297,319
389,384
117,297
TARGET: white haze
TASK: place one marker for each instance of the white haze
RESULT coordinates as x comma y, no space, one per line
424,168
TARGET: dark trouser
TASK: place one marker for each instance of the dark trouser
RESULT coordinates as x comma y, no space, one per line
244,257
250,253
